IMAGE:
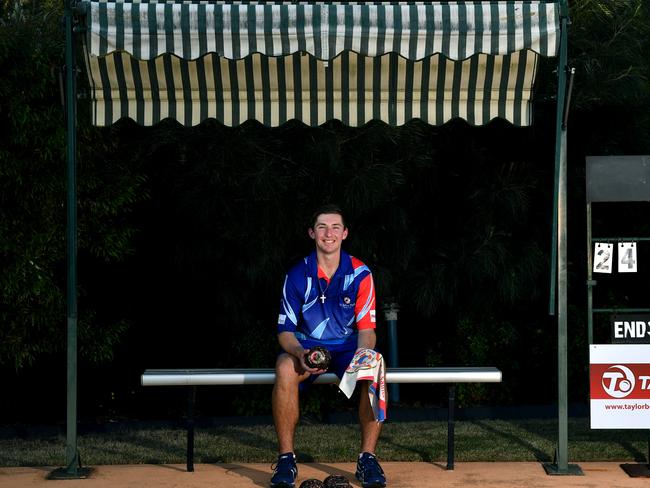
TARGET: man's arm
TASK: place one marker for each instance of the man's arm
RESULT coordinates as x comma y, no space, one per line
290,344
365,314
366,339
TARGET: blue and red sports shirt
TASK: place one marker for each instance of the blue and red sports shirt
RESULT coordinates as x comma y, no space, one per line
347,307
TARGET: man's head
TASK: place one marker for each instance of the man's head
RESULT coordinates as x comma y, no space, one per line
328,229
329,208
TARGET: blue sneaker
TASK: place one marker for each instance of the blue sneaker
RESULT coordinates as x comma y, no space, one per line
369,472
285,471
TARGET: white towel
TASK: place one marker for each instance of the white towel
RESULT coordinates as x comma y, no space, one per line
367,365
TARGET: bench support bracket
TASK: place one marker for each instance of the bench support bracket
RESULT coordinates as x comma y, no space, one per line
191,401
450,427
190,425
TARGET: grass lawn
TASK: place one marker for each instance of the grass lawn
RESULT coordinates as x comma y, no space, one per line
476,440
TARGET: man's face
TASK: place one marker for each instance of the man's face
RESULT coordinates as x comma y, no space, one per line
328,232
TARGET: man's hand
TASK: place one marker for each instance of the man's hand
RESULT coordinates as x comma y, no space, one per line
306,367
291,345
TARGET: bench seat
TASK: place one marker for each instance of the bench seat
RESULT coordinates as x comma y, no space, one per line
193,378
198,377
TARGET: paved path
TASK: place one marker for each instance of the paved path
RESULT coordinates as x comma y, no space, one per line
401,475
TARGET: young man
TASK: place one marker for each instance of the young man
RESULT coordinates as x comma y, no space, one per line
328,299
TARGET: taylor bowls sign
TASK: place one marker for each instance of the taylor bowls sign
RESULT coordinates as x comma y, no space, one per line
619,386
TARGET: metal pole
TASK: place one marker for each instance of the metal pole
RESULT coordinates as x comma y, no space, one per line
72,459
451,426
390,314
561,465
559,231
561,89
590,280
73,467
559,249
562,318
190,428
562,457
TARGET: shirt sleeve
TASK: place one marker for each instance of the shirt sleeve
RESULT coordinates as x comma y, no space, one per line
365,305
290,306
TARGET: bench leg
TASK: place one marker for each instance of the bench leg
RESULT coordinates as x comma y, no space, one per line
190,428
450,427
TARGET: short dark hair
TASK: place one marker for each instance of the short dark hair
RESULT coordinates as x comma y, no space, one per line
329,208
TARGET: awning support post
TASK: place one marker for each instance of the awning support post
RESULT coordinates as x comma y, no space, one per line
73,469
559,252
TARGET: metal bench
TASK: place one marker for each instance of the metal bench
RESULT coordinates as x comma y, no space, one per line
205,377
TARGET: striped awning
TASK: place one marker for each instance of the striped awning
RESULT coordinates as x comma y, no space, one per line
314,62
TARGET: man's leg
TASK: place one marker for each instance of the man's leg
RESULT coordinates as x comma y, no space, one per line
368,471
370,428
285,402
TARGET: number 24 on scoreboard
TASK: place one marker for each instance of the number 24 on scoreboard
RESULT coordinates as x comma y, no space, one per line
627,257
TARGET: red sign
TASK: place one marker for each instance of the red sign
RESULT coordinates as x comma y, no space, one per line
620,381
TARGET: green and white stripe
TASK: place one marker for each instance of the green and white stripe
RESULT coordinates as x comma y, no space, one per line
311,61
324,30
351,88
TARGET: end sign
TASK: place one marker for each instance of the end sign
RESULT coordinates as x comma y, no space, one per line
630,329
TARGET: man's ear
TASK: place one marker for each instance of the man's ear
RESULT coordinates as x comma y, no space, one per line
345,234
311,233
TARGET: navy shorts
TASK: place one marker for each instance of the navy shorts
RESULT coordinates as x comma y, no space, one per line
341,354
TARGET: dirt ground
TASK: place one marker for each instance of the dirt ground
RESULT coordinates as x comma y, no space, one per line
400,475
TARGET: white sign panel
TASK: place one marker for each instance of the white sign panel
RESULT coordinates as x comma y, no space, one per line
619,386
627,257
603,258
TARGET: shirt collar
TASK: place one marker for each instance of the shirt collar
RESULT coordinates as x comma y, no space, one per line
345,266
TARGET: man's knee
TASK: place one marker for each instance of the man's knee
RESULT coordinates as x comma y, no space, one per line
364,399
288,369
363,387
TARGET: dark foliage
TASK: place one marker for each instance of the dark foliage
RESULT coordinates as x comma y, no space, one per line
33,193
186,233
